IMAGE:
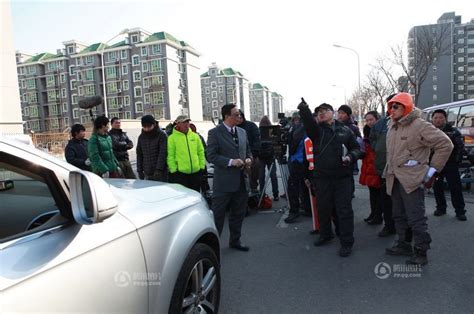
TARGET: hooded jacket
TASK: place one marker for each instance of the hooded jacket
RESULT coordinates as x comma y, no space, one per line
328,142
185,152
368,172
151,151
120,143
378,142
412,139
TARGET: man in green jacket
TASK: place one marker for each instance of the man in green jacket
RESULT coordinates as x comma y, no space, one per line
186,158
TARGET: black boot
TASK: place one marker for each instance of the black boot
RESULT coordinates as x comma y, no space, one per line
370,217
439,212
400,248
386,232
292,218
418,258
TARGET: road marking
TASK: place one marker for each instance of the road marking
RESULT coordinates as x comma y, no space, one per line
282,223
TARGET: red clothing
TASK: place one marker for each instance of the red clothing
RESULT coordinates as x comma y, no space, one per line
368,173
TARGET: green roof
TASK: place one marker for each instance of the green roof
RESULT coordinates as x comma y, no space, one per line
92,48
226,71
205,74
257,86
162,36
51,56
40,57
275,94
119,44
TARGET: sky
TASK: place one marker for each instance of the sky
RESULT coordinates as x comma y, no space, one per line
284,45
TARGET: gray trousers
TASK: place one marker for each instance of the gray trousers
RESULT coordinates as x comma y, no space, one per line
237,204
409,212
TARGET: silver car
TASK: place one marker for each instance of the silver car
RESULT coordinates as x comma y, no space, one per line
72,241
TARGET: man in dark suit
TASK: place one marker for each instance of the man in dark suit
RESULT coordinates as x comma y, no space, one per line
228,149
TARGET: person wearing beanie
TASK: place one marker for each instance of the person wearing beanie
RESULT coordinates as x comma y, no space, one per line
152,151
186,160
335,151
409,170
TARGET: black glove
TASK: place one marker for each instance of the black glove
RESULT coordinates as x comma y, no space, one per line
141,175
302,104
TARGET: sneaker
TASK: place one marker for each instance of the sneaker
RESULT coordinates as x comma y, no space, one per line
438,212
386,232
400,248
370,217
291,218
418,258
461,217
345,251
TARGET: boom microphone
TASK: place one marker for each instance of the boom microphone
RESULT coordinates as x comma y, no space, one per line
91,102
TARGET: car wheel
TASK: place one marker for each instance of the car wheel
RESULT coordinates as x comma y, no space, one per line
198,287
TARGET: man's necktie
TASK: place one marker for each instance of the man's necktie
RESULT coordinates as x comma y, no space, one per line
234,135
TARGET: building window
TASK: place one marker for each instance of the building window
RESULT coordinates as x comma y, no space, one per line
145,66
72,69
461,78
31,83
213,85
214,104
206,81
221,89
214,95
112,56
73,84
460,87
144,51
461,59
137,76
435,78
65,107
26,111
52,96
220,80
134,39
110,72
125,85
124,69
90,60
79,75
63,78
76,113
155,65
208,90
112,87
435,97
74,99
70,49
155,49
66,121
208,100
63,93
215,114
89,90
461,69
461,41
460,50
138,107
128,114
460,96
89,75
123,54
80,91
136,60
126,101
435,87
138,91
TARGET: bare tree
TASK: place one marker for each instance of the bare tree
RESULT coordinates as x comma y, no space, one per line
426,45
381,87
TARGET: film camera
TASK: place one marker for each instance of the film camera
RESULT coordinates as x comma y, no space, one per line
274,139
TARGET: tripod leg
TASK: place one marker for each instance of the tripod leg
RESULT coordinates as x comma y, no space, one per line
267,179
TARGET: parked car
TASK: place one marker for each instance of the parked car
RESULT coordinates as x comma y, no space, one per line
72,241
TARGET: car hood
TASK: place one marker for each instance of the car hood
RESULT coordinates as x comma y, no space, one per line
144,201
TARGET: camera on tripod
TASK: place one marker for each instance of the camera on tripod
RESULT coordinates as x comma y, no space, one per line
274,139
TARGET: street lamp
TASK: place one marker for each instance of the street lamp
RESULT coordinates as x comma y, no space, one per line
124,31
337,86
358,70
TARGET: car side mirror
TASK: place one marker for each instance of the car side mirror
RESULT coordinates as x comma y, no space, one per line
92,200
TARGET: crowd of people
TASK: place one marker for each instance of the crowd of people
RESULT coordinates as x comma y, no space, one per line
401,156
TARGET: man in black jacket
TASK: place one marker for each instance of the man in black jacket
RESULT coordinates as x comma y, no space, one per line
450,170
151,151
120,145
76,148
253,136
335,150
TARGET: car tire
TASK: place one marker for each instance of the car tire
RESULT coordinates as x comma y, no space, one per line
199,283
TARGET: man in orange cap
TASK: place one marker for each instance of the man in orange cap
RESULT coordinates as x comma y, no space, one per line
409,170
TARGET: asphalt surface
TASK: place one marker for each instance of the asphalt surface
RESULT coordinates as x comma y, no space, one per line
284,273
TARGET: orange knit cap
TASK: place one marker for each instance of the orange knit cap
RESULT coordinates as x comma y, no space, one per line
402,98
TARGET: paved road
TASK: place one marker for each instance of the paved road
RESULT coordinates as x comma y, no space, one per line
285,273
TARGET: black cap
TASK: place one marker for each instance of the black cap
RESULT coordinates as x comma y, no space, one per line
323,106
346,109
148,120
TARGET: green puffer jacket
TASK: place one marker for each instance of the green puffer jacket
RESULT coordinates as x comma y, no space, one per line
185,152
101,154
